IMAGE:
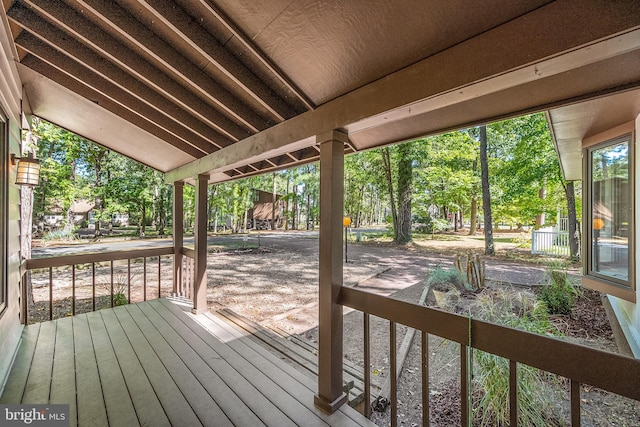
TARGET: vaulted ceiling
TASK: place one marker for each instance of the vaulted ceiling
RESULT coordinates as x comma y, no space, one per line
233,88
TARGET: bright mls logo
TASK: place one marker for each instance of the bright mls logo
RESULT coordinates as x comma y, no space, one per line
34,415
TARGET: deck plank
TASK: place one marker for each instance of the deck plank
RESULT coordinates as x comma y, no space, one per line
171,398
266,410
309,383
152,364
148,408
91,405
120,410
193,353
63,378
17,381
205,407
270,384
38,384
288,376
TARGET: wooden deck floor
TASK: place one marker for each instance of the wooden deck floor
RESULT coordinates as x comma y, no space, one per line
152,364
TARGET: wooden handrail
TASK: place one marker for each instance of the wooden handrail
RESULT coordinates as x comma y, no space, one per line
64,260
188,252
612,372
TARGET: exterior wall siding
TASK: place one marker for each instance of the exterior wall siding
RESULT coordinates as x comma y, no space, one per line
10,104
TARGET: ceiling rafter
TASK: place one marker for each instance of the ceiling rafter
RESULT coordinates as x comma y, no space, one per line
111,91
218,60
106,103
123,25
42,30
212,11
85,31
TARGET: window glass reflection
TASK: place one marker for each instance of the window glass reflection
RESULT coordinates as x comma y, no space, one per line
611,198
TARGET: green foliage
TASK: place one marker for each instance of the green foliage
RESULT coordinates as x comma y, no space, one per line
535,408
63,234
120,298
559,295
441,278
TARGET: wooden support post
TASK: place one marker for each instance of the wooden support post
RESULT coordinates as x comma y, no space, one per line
178,236
330,393
200,247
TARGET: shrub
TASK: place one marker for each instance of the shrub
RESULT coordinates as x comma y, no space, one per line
522,311
62,234
559,295
441,279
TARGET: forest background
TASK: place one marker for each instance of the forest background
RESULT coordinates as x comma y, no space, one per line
431,184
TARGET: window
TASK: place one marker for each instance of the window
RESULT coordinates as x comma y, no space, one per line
609,213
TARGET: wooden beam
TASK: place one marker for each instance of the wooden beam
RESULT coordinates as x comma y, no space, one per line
121,19
465,72
200,246
111,49
40,31
87,92
178,236
218,60
330,393
209,9
118,94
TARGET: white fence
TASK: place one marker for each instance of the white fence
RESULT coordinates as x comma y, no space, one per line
554,243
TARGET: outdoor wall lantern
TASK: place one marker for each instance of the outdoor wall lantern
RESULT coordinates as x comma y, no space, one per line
28,170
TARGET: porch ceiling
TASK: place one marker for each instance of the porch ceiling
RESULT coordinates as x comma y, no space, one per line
233,88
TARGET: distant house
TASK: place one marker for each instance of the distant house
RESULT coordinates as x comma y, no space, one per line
55,215
264,211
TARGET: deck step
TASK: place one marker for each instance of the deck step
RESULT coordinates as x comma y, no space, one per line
298,352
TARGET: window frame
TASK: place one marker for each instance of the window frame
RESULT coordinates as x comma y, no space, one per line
4,212
625,289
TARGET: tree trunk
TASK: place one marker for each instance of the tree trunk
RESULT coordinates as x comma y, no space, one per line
473,213
294,213
308,210
540,218
246,218
405,172
386,160
273,204
286,205
143,226
574,230
486,194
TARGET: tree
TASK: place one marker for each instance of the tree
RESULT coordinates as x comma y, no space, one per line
574,231
486,194
401,204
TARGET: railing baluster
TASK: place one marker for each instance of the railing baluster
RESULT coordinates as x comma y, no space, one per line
112,283
50,293
575,403
392,372
425,379
464,386
73,289
129,280
513,393
366,411
144,278
93,285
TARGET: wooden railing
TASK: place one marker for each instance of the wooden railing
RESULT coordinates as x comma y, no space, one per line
185,283
580,364
100,269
